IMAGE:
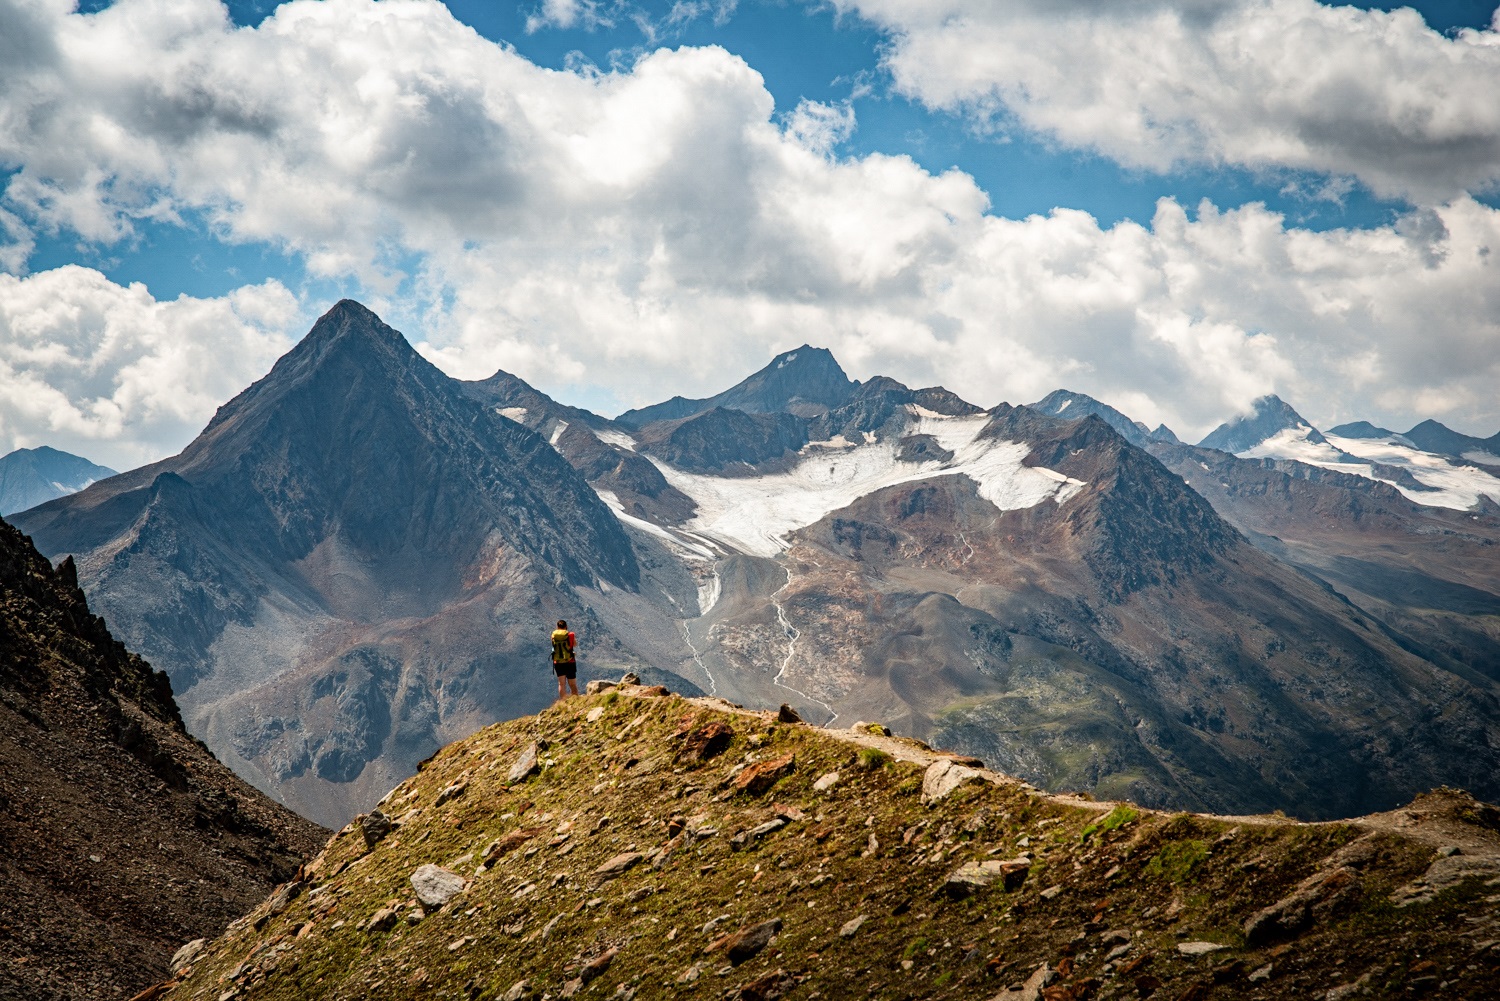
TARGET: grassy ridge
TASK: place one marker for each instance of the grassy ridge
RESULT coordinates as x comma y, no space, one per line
618,775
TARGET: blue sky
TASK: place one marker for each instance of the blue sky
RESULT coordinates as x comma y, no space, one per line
961,212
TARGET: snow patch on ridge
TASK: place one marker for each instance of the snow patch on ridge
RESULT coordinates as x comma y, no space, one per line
517,414
1458,487
619,438
755,514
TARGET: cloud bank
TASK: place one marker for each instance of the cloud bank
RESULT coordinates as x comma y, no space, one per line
112,374
1367,94
655,230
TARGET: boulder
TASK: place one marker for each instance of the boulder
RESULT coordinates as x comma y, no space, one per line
1316,899
598,964
508,843
826,782
762,775
435,886
617,866
525,766
595,687
1032,989
707,741
943,776
374,826
786,714
187,955
972,876
747,942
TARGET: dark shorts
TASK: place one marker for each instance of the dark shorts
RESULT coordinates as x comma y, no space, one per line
568,670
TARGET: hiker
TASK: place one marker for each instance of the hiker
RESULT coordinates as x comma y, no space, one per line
564,660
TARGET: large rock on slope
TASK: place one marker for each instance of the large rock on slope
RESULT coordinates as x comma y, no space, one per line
124,838
354,562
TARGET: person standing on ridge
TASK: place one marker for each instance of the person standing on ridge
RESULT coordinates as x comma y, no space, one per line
565,659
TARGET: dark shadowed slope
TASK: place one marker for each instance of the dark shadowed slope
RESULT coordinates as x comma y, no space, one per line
123,837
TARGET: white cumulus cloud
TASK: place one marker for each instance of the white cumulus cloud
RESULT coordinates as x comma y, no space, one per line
1337,90
110,373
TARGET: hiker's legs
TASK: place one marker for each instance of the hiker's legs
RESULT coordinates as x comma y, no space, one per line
573,685
561,687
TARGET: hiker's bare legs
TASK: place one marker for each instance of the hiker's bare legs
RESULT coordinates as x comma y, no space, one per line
562,688
573,685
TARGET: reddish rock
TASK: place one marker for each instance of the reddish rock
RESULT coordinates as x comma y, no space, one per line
762,775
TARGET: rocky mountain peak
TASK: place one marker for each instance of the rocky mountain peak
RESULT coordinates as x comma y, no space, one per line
1268,416
1073,406
805,381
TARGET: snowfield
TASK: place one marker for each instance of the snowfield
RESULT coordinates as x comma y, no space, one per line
755,514
1452,486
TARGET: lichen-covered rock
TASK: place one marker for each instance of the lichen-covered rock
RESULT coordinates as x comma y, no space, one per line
617,866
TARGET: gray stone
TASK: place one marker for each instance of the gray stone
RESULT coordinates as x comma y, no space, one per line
1199,948
1316,898
1260,973
452,791
616,866
519,991
435,886
1031,990
826,782
374,826
595,687
761,830
852,925
187,955
1052,892
972,876
942,777
526,765
1445,871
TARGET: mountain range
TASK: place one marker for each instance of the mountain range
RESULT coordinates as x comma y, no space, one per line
359,559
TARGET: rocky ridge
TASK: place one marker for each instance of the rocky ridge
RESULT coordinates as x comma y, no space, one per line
636,844
124,837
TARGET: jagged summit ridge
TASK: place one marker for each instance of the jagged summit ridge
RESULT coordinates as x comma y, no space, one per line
805,381
1268,416
1072,406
